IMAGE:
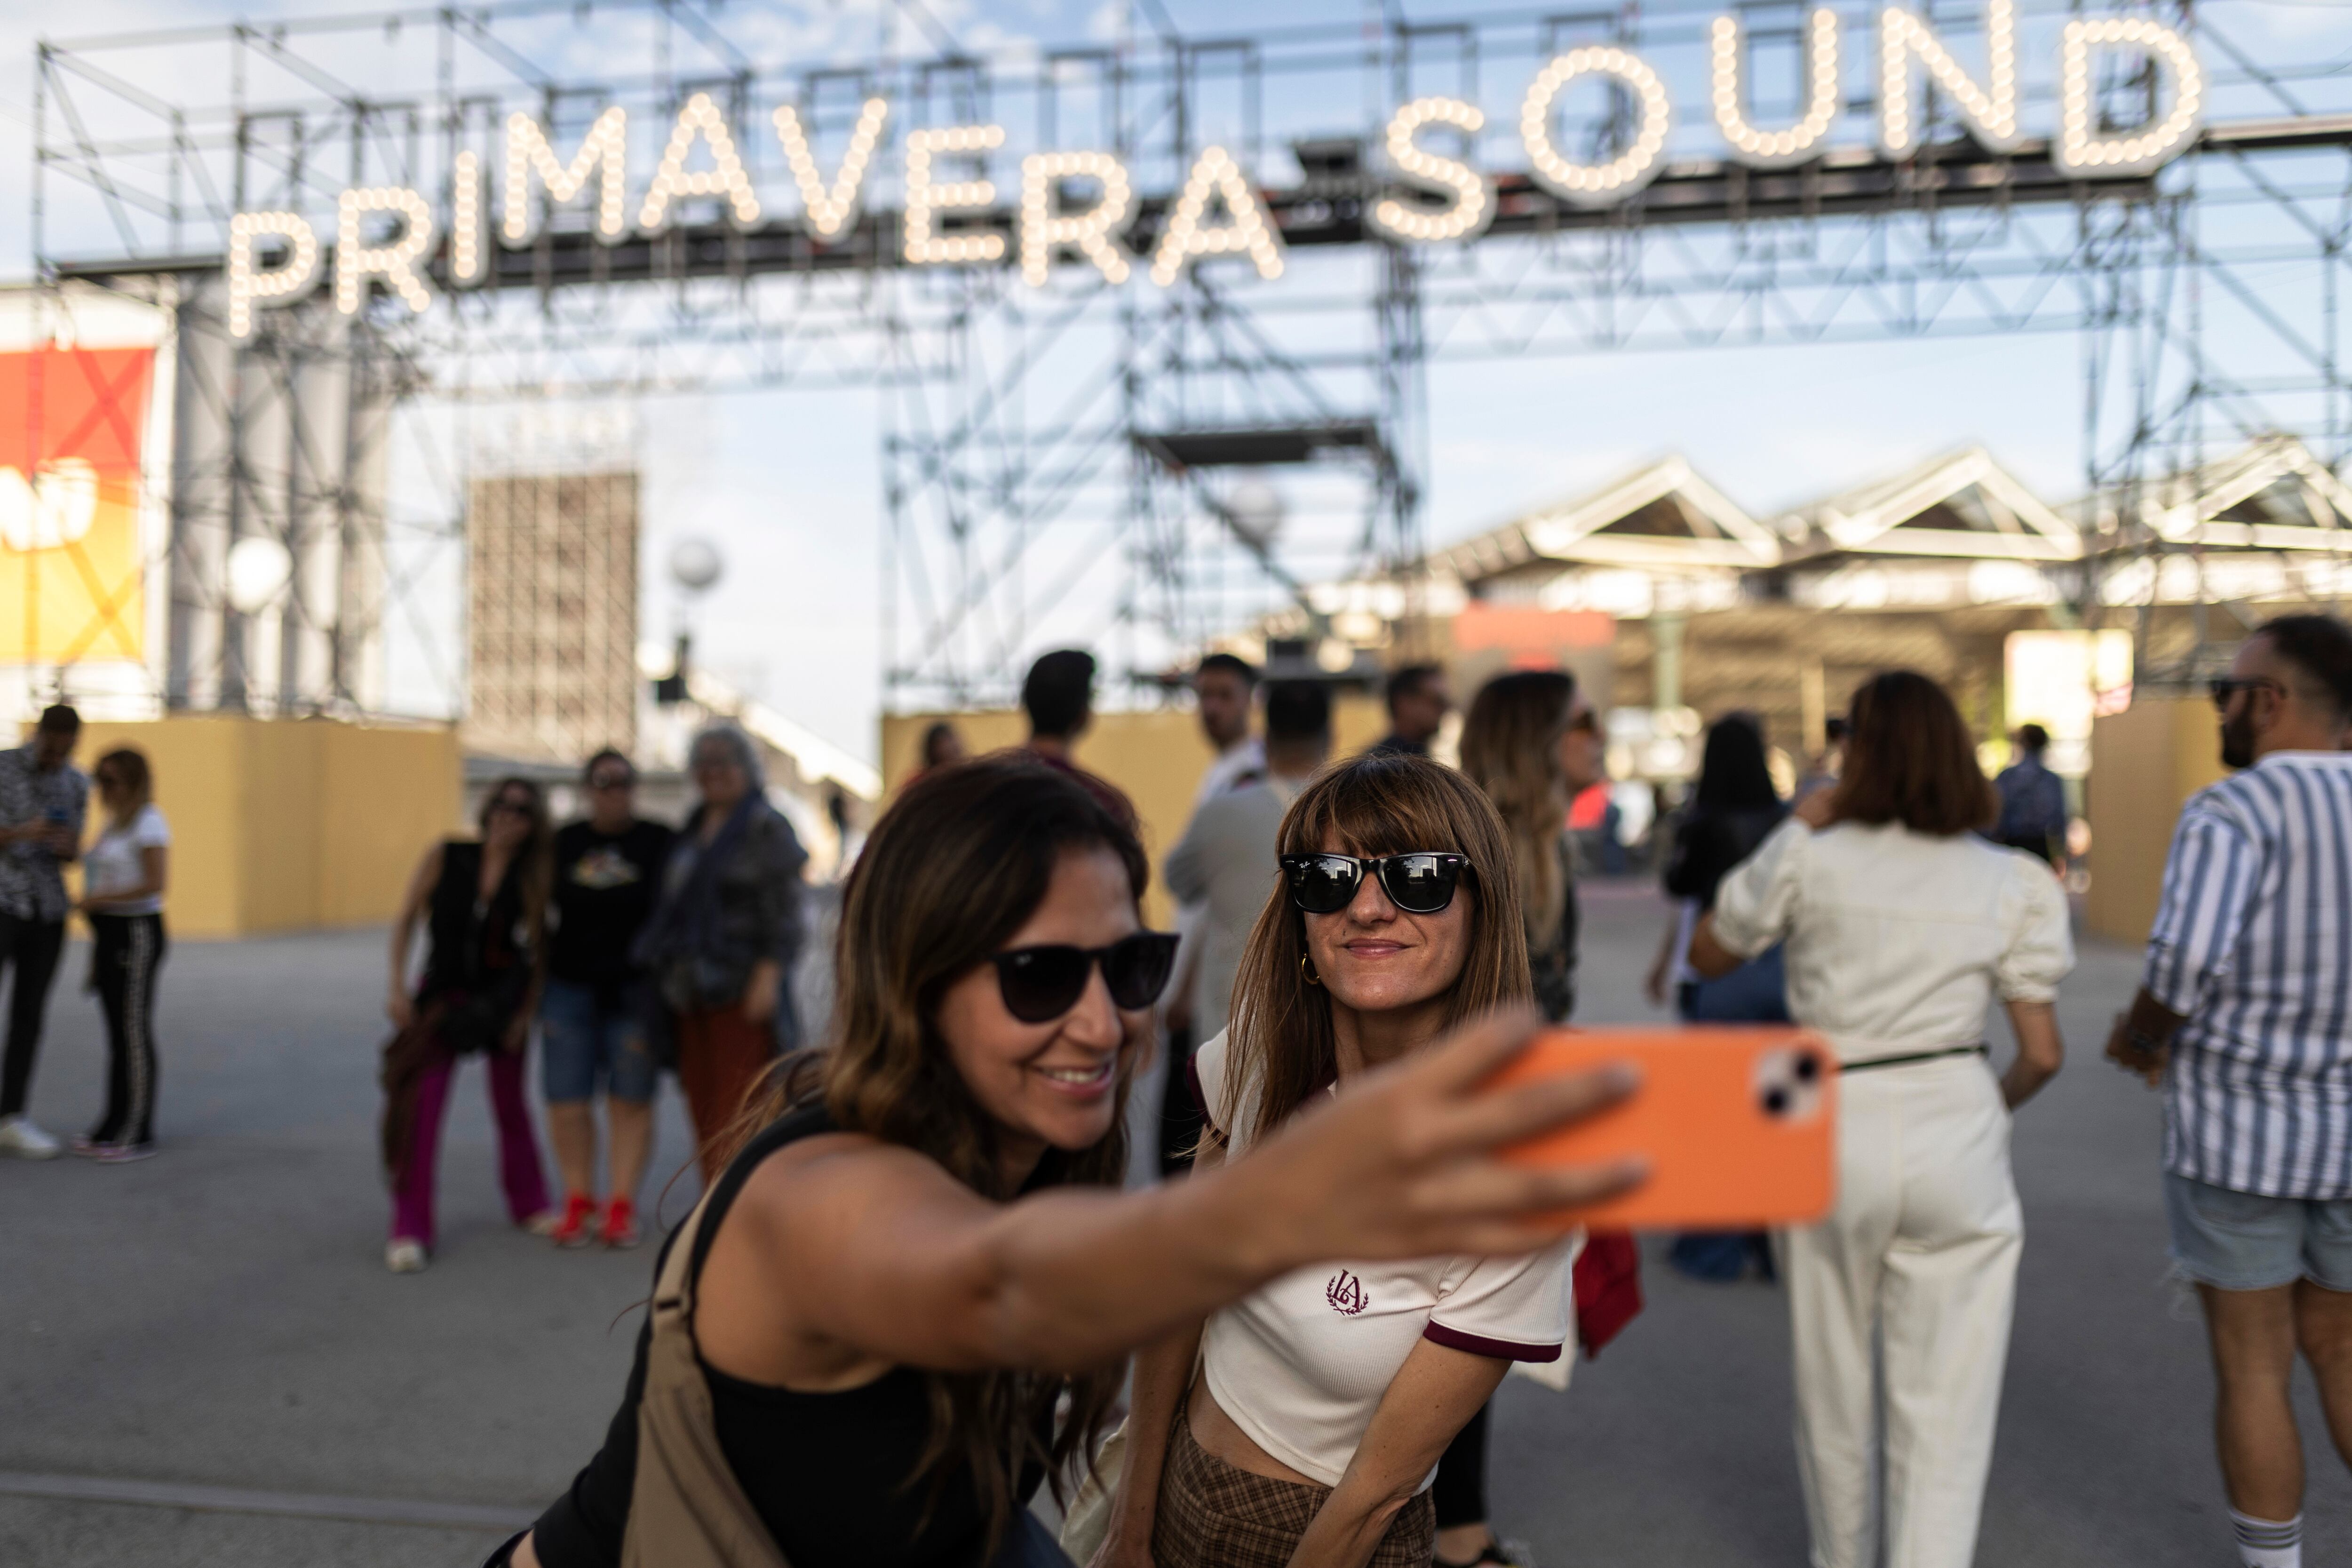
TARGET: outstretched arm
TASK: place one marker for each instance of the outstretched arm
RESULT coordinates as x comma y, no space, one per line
894,1259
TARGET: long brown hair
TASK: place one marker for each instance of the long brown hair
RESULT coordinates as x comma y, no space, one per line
130,770
1282,1050
1908,760
1510,749
535,861
951,872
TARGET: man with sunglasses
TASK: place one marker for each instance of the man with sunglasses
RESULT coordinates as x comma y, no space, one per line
2245,1018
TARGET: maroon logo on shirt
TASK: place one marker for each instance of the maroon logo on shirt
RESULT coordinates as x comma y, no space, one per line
1346,1294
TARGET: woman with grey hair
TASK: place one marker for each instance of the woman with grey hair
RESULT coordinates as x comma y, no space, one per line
721,943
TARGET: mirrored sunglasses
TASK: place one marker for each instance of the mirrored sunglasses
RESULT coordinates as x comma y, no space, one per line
1419,882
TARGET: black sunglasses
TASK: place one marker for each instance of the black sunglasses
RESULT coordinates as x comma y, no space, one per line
1421,882
2224,687
1041,984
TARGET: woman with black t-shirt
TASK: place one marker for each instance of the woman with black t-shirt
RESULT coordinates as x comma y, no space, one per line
593,1017
484,902
922,1250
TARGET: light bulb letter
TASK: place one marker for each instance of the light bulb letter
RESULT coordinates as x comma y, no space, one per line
2147,147
251,287
828,212
1248,230
357,261
1470,196
467,252
1045,228
1990,111
603,152
1596,185
1800,142
926,200
699,120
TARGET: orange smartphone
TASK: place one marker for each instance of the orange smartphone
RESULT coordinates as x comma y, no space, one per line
1738,1124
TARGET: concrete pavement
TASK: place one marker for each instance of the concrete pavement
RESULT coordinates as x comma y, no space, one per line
219,1317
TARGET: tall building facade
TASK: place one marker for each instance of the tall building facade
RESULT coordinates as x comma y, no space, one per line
552,582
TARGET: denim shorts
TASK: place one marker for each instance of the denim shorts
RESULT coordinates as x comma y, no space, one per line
583,1042
2244,1241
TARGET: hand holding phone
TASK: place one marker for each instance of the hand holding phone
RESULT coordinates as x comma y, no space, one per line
1738,1124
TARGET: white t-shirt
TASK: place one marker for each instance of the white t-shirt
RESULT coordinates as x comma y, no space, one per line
1301,1366
115,864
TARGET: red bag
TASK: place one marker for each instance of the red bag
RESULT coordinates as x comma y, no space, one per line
1608,1288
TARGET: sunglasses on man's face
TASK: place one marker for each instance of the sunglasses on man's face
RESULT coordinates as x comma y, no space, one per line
1041,984
2224,687
1421,882
611,780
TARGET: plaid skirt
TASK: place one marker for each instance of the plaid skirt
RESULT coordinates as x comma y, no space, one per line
1211,1515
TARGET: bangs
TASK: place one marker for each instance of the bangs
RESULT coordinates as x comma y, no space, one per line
1375,805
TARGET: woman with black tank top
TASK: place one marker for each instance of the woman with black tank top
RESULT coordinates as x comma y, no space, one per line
920,1249
484,903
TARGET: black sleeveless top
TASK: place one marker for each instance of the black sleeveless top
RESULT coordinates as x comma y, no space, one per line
472,944
827,1473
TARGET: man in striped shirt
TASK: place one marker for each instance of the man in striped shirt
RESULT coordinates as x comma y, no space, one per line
2244,1016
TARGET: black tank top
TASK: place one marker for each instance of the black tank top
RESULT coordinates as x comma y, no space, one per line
471,942
828,1473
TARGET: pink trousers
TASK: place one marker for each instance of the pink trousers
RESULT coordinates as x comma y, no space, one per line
519,1168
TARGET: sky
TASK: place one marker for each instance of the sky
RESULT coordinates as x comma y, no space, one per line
787,483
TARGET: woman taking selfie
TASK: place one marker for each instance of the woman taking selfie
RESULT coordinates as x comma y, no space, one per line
860,1337
1902,925
484,905
1323,1401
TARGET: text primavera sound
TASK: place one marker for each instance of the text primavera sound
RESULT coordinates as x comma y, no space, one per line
1439,199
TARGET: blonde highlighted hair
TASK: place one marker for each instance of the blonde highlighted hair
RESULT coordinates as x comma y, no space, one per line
1510,747
1281,1048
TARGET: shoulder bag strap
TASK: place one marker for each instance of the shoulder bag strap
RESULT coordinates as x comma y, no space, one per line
686,1509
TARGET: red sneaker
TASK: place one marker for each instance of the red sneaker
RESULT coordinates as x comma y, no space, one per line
572,1230
620,1222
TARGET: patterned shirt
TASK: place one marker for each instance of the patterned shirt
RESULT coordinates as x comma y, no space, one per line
32,880
2252,946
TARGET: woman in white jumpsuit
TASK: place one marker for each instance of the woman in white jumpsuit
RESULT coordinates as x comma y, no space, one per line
1902,926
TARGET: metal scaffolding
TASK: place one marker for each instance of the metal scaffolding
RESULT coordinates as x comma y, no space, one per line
1063,463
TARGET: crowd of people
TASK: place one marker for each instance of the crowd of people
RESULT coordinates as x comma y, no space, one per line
919,1286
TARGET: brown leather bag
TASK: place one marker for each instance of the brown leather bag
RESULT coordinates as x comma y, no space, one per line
686,1509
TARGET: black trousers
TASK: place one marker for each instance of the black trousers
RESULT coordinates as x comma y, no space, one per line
1460,1489
127,950
32,947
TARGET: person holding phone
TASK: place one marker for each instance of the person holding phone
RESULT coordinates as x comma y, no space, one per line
921,1248
1303,1425
1902,926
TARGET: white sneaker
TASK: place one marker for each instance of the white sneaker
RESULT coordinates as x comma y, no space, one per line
19,1137
404,1258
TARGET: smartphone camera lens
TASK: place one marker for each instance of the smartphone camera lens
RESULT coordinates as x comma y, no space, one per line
1776,1101
1809,1067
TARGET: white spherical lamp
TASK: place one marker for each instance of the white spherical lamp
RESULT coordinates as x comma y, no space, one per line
695,565
1256,509
259,570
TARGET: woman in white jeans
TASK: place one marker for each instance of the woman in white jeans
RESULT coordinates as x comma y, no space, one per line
1902,926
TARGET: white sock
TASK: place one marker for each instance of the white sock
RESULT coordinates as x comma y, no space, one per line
2268,1543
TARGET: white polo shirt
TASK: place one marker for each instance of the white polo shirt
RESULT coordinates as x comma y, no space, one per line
1301,1366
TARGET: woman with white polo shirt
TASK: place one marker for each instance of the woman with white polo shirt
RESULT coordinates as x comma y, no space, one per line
1302,1426
1902,926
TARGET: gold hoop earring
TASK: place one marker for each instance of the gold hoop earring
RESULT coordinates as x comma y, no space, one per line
1306,971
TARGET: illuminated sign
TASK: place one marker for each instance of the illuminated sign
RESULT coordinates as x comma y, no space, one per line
1435,198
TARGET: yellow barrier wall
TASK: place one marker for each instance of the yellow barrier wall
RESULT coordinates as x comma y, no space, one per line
1156,757
281,824
2146,761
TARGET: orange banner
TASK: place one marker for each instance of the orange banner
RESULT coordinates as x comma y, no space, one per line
72,577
